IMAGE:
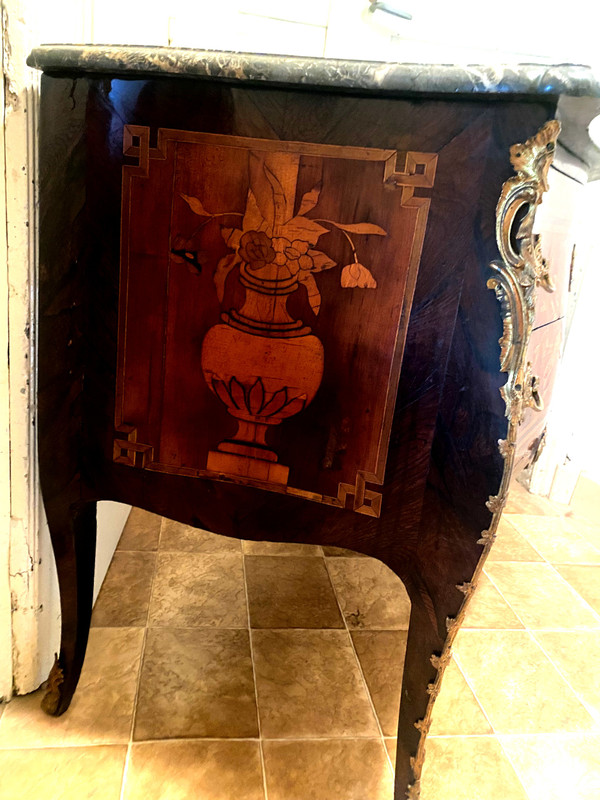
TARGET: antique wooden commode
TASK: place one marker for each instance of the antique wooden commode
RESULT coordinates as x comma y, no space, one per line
269,308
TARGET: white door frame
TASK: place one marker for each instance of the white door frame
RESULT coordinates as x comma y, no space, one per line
29,601
19,538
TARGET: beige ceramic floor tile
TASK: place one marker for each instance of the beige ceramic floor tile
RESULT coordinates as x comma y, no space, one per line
517,686
71,773
456,711
309,684
280,549
196,683
141,531
341,552
520,501
488,609
197,590
329,769
205,770
369,593
102,707
468,768
292,592
588,529
540,597
556,767
125,595
381,656
510,545
186,539
575,653
556,539
585,580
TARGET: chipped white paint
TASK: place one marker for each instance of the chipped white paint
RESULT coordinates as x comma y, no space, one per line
5,613
21,241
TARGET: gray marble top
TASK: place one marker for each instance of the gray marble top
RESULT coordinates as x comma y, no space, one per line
528,79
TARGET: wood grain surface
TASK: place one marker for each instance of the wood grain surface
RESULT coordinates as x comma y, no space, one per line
442,459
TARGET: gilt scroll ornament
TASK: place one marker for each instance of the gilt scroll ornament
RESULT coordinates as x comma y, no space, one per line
52,695
523,267
517,275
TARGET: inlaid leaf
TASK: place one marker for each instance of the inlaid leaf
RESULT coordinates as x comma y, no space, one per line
220,389
310,199
279,203
253,218
236,390
276,403
361,227
307,230
231,236
294,406
224,267
256,397
312,290
321,261
196,206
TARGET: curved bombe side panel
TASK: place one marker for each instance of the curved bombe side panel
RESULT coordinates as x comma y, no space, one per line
442,461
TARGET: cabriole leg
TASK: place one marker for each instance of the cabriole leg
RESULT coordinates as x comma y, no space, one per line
73,534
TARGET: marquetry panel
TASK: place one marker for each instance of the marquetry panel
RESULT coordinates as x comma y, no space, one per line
265,292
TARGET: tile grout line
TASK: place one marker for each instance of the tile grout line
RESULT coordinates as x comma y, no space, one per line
531,632
184,739
456,652
574,590
590,709
260,739
508,603
472,688
515,770
361,673
563,580
533,547
291,628
563,521
139,675
540,630
456,656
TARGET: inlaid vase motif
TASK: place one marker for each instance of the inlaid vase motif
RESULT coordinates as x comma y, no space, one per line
262,364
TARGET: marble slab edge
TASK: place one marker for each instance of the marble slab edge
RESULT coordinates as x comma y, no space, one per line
521,79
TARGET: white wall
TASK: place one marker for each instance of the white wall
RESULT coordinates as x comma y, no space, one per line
581,379
111,518
573,430
464,31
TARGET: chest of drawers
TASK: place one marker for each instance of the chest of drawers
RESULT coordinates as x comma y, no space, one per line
266,310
